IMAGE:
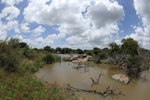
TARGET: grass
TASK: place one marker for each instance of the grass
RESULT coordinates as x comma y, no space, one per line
17,66
15,86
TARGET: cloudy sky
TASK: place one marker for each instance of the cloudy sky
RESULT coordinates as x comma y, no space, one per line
75,23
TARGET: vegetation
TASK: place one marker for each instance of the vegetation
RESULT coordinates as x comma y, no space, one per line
128,57
15,86
51,58
17,64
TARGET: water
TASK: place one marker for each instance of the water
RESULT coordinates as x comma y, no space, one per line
65,73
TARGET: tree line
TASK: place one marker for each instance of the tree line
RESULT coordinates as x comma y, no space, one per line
128,55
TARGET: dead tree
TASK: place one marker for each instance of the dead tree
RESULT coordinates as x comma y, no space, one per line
107,92
96,81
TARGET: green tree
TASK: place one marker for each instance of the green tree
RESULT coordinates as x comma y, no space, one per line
49,59
58,50
10,56
23,45
134,65
130,46
114,49
96,50
79,51
48,48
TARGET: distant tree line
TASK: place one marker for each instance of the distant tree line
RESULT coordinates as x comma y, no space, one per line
128,55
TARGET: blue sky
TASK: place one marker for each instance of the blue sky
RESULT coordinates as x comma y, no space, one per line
75,23
130,18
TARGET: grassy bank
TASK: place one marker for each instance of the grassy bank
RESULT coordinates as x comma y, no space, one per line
14,86
18,62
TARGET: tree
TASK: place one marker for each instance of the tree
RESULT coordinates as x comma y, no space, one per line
79,51
114,49
58,50
23,45
13,42
96,50
134,65
130,46
49,59
10,56
66,50
48,48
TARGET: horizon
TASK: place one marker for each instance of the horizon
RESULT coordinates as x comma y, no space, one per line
75,23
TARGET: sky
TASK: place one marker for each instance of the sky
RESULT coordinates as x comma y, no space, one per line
80,24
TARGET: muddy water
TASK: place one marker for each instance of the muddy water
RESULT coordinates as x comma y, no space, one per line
66,73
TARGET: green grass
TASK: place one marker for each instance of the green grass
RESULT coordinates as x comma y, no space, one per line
17,66
15,86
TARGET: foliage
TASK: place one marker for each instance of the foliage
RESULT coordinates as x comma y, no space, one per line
23,45
129,56
48,48
58,50
79,51
28,53
114,49
130,46
51,58
17,63
96,50
134,65
10,57
16,56
15,86
66,50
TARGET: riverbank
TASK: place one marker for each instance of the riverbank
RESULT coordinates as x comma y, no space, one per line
15,86
18,63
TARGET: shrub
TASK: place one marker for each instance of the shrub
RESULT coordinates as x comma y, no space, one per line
10,57
28,53
134,64
50,58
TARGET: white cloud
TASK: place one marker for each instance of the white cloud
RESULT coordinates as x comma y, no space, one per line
25,27
11,2
143,10
38,31
87,22
3,35
104,13
9,13
8,26
39,42
142,34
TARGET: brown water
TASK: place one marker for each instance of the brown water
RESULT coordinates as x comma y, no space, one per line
65,73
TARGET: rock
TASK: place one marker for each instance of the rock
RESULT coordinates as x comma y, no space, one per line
121,77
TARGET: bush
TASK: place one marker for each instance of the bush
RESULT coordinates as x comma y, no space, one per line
28,53
134,64
27,66
10,57
50,58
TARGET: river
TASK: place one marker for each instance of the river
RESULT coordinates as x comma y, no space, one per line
66,73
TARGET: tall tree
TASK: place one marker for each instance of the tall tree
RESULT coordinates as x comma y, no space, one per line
96,51
114,49
130,46
48,48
